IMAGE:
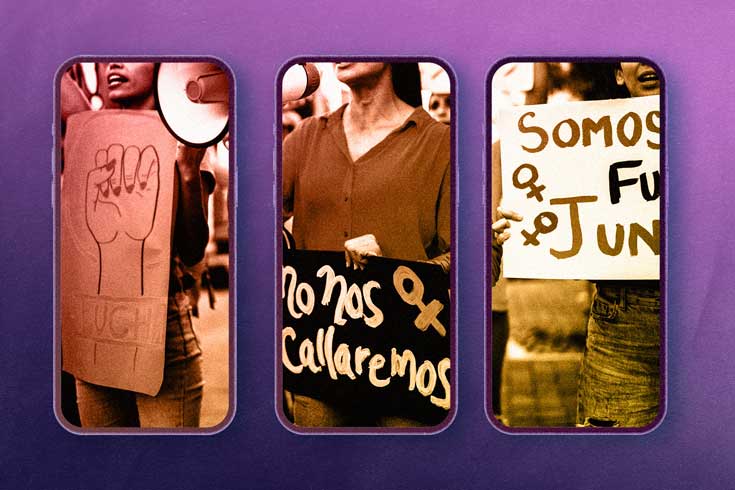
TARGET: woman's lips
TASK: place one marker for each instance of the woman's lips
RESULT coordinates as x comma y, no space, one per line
648,77
115,79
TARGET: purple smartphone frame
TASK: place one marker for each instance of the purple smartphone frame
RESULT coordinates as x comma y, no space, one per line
232,231
663,263
278,130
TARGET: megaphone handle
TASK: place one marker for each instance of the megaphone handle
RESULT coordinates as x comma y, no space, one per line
208,88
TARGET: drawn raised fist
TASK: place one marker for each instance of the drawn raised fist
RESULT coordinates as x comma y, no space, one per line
122,193
120,205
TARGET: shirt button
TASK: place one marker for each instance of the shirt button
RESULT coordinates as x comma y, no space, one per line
346,234
347,198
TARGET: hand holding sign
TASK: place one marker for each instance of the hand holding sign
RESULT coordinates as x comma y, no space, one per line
357,251
121,201
501,227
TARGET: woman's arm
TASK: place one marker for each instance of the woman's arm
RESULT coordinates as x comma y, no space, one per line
73,99
191,233
444,209
496,258
444,261
293,149
496,189
501,232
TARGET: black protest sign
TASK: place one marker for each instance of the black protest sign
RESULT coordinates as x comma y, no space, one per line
375,340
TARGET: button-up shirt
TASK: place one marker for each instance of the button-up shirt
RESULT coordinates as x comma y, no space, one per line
399,190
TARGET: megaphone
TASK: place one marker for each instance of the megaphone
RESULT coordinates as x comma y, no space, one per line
299,81
194,101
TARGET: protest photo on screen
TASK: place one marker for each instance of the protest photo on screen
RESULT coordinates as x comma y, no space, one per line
143,333
366,335
576,185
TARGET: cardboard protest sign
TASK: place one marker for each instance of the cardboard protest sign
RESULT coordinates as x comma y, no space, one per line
585,176
374,339
116,206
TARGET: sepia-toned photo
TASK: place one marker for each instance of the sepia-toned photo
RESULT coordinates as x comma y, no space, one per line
575,210
142,177
366,334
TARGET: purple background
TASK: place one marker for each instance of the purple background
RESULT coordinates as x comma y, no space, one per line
693,44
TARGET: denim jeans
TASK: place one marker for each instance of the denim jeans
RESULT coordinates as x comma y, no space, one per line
619,379
177,404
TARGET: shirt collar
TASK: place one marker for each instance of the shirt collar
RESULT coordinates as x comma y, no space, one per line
419,117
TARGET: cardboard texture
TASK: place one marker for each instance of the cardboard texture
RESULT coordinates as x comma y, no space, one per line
116,207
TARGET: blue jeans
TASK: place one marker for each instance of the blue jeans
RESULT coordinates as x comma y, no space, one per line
177,404
619,379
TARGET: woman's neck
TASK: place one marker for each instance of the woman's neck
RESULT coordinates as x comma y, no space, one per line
375,105
371,116
140,104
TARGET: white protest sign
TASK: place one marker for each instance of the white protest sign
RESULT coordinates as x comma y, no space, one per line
585,176
116,206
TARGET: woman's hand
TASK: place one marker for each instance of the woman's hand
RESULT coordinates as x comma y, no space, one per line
358,249
501,227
